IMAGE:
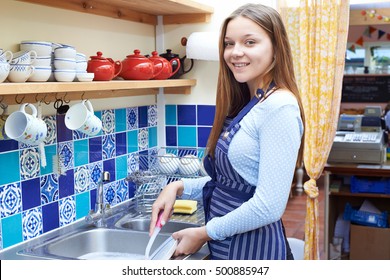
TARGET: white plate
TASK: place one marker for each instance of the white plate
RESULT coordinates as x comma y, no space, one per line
166,250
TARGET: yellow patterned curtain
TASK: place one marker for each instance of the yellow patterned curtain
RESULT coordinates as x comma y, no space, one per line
318,32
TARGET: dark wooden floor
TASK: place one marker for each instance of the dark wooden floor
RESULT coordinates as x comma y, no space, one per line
294,216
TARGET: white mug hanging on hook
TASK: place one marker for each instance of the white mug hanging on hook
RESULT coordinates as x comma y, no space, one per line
26,128
81,117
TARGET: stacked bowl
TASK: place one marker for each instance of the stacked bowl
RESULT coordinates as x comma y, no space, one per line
81,68
40,59
64,63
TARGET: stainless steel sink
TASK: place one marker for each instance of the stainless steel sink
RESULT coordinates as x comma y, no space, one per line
142,224
98,243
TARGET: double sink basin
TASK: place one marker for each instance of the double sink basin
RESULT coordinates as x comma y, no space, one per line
125,237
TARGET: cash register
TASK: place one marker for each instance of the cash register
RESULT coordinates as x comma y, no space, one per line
359,138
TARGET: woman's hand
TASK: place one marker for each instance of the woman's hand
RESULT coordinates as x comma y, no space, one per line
190,240
165,202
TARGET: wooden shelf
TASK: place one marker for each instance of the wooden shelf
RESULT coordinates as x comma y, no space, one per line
13,93
143,11
344,191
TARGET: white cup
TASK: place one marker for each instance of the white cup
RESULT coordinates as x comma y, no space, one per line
24,127
24,57
19,73
40,47
4,71
6,56
81,117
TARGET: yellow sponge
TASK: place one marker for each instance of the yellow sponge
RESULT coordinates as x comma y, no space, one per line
184,206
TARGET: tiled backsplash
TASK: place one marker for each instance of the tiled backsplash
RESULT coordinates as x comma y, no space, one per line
36,199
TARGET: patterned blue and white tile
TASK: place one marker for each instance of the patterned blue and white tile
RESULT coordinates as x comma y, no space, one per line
65,150
10,199
109,192
51,136
49,188
108,122
132,163
82,179
122,191
67,211
76,135
152,115
95,172
109,147
29,163
143,139
32,223
132,118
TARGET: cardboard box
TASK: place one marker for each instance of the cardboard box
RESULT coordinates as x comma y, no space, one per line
369,243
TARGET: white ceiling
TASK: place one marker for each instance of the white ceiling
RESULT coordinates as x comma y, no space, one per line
367,4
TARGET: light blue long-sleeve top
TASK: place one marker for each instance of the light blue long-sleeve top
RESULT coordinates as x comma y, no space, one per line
264,152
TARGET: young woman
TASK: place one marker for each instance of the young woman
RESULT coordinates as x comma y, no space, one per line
253,147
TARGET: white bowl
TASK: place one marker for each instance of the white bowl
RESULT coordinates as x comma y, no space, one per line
81,65
64,63
42,61
41,74
189,165
85,77
64,75
81,57
40,47
168,163
65,52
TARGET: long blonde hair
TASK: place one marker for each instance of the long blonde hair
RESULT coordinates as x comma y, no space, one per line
232,96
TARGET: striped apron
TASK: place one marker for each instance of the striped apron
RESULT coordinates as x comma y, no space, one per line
227,191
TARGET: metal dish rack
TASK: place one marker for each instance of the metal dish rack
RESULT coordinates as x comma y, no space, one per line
158,168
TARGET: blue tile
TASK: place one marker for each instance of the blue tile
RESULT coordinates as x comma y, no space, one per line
142,116
186,136
9,166
92,198
50,216
203,135
63,133
120,143
10,199
95,149
8,145
170,115
152,137
171,135
31,194
50,152
121,167
109,165
66,184
108,121
12,230
132,141
186,114
49,188
206,114
131,189
82,205
81,152
108,149
120,120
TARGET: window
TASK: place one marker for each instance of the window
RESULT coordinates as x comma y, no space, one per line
374,55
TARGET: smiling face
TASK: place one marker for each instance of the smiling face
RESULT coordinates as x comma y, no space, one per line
248,51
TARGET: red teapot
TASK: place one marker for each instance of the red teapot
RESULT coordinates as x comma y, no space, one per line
139,67
167,66
105,69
